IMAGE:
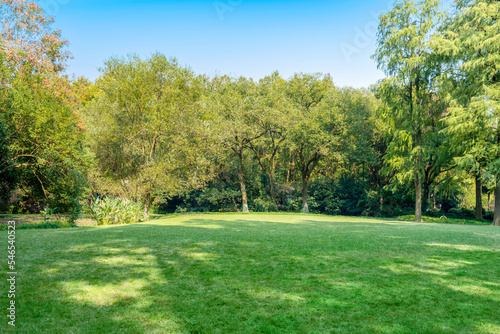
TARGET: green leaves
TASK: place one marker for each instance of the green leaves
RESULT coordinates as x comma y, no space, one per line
113,211
470,46
146,127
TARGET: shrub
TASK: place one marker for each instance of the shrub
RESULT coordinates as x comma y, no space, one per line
461,213
371,204
488,215
434,212
45,225
111,211
224,200
338,197
38,226
264,205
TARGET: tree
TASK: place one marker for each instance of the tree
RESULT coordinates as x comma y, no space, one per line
274,107
236,118
470,48
319,126
27,40
403,54
145,128
42,143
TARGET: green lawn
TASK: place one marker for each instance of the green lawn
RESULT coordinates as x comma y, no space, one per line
256,273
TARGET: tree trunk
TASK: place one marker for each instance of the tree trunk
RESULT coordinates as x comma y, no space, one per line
479,198
418,180
426,197
418,197
496,219
271,190
305,184
381,198
288,174
147,204
244,198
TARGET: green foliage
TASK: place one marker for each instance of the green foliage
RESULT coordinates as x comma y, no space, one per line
47,161
263,205
112,211
40,226
344,197
45,225
411,104
47,213
446,220
146,129
223,200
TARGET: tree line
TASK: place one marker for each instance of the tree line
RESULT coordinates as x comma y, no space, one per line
154,132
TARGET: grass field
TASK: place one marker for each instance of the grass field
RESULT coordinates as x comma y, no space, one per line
256,273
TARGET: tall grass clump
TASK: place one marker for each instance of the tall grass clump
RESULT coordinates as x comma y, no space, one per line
115,211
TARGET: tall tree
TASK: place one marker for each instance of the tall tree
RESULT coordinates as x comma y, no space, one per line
274,107
403,54
234,107
470,45
319,127
145,128
41,136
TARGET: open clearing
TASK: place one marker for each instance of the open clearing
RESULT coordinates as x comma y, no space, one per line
258,273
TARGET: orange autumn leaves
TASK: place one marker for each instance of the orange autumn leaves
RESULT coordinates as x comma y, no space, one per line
27,41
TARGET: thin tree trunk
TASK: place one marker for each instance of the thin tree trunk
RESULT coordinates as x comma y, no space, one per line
271,190
288,173
381,197
305,184
434,198
496,219
418,181
426,197
418,198
147,204
479,198
244,198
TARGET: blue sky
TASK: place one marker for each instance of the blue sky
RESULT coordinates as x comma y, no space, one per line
236,37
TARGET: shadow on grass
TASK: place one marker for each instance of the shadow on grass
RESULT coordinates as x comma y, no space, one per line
246,276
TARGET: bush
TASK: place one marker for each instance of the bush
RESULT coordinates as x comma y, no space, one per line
46,225
38,226
371,204
223,200
461,213
111,211
488,215
434,213
264,205
210,199
344,196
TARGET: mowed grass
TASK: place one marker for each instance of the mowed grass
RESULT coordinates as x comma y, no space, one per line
257,273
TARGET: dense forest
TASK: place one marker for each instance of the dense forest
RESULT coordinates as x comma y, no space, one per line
153,135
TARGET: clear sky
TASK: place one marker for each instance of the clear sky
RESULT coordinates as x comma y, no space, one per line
252,38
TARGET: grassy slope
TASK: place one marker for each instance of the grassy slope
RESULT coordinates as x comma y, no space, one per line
235,273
